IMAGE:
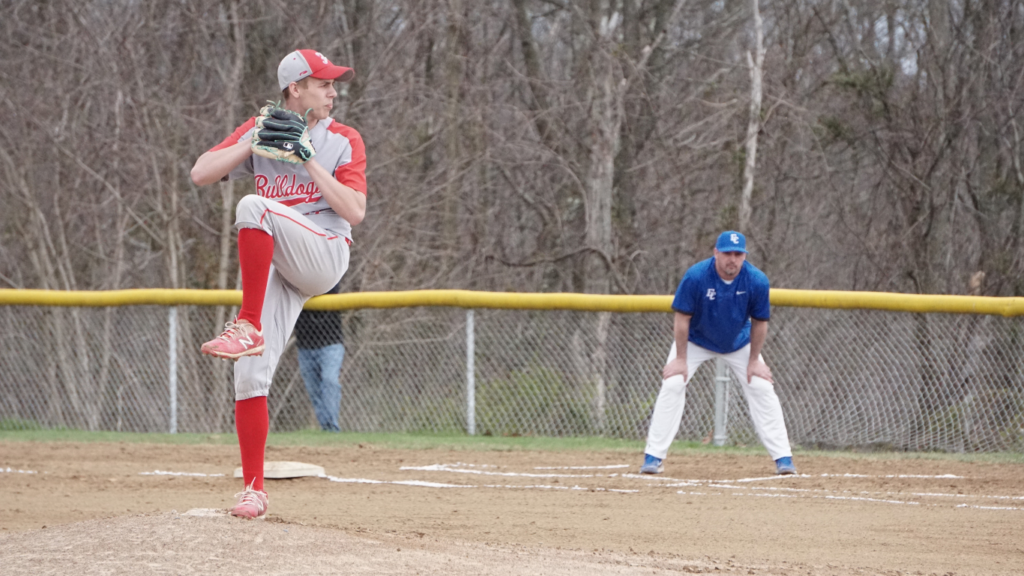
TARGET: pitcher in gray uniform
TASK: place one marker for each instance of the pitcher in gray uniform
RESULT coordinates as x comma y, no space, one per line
294,236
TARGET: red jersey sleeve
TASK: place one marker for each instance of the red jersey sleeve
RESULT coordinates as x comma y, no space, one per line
236,136
353,174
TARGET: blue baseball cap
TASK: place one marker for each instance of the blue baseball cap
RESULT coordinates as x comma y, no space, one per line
731,241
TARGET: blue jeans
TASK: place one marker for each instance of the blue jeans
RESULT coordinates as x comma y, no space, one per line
320,368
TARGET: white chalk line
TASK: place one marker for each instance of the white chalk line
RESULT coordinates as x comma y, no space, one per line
467,465
825,497
547,487
609,467
449,468
726,485
864,496
867,494
441,485
864,499
926,476
655,478
167,473
801,493
421,483
987,507
777,477
940,494
835,497
10,470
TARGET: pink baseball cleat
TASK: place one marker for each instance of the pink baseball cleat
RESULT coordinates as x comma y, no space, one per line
251,503
240,338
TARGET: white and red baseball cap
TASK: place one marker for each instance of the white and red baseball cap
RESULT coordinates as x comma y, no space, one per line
303,63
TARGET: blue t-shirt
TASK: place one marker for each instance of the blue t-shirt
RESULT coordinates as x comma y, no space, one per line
721,312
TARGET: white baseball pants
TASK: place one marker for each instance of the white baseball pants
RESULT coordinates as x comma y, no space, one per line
308,261
765,409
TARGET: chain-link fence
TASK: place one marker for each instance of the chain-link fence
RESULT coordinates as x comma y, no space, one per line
846,378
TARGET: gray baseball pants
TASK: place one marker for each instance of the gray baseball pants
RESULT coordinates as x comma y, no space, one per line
308,261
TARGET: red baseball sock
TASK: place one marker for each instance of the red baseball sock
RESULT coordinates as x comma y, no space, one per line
255,252
252,421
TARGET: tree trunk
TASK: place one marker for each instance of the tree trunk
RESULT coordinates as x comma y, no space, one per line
755,63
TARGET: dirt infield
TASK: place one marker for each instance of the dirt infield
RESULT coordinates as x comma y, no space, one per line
148,509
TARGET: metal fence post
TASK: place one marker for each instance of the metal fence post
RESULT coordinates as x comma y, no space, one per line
470,376
172,337
721,403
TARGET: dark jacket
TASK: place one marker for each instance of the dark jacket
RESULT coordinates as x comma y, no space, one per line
319,328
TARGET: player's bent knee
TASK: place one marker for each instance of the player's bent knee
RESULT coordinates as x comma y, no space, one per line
758,384
675,383
249,210
251,202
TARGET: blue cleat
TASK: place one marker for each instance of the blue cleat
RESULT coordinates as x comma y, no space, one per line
785,465
651,465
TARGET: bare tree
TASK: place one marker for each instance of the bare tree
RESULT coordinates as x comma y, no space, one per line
755,62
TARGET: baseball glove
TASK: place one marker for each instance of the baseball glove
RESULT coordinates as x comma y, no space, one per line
283,135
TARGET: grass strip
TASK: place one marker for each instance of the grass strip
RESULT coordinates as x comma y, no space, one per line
426,441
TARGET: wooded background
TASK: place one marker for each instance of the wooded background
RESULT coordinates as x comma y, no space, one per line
532,145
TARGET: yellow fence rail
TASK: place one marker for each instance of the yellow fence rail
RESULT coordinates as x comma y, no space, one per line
854,369
893,302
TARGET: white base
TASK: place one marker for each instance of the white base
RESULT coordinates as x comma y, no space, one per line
279,470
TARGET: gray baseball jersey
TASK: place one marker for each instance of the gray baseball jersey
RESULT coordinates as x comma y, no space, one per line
339,150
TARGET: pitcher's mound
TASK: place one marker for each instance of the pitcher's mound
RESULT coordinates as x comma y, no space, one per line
203,542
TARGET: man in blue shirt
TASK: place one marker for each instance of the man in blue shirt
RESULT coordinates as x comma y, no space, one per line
721,311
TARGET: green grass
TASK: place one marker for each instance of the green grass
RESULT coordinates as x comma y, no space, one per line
462,442
129,437
317,438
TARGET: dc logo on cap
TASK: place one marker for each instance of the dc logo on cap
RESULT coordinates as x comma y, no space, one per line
735,238
322,57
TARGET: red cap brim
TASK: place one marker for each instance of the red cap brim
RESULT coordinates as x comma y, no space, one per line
332,72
